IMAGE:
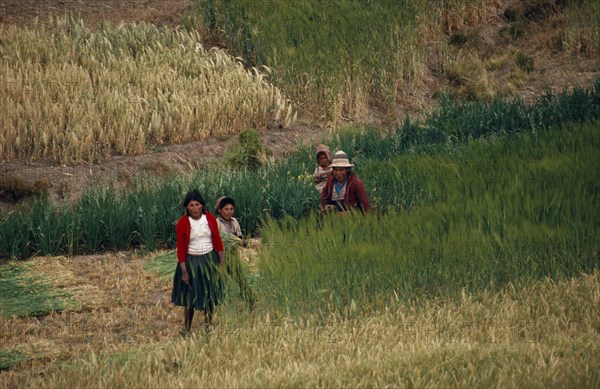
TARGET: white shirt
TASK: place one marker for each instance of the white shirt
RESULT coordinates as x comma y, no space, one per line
200,237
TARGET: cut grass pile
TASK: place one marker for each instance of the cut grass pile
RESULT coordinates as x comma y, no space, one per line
163,263
9,358
119,306
26,292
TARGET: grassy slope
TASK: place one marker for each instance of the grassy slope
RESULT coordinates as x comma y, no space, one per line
544,335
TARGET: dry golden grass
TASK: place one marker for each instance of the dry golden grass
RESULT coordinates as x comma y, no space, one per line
126,335
456,15
71,94
472,79
582,32
482,33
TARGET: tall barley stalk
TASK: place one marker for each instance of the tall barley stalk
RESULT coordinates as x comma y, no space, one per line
71,94
497,211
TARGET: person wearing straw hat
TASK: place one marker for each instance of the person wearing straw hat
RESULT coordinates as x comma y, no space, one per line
344,191
197,282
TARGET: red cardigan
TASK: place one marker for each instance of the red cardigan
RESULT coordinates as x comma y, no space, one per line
355,197
183,230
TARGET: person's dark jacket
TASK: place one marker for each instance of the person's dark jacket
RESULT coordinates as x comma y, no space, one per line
355,197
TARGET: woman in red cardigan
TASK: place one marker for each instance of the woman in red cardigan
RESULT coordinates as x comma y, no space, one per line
197,283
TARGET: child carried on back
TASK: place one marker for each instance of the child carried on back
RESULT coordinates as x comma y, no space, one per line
323,169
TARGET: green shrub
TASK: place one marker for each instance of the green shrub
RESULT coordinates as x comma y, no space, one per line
249,152
524,62
458,39
14,188
514,29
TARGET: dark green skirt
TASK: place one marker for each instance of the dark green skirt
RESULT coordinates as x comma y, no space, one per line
205,290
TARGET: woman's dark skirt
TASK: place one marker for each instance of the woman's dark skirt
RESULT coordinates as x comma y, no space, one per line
205,289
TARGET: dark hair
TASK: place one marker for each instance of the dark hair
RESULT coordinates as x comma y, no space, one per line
193,195
223,201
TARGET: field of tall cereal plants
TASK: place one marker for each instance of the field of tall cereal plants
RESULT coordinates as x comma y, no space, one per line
479,266
71,94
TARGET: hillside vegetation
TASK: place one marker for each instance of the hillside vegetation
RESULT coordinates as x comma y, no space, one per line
340,59
74,94
478,265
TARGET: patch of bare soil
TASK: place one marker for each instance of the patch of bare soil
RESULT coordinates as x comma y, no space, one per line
68,182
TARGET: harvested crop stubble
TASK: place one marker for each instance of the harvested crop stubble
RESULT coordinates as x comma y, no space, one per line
120,305
542,335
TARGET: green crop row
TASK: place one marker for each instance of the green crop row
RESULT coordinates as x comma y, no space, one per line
105,218
499,211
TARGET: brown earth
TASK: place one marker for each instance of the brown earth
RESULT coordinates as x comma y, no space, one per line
159,12
553,70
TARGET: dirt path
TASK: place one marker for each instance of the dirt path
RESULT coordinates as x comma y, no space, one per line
70,181
159,12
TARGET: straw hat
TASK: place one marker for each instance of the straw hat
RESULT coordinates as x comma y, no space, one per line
340,159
